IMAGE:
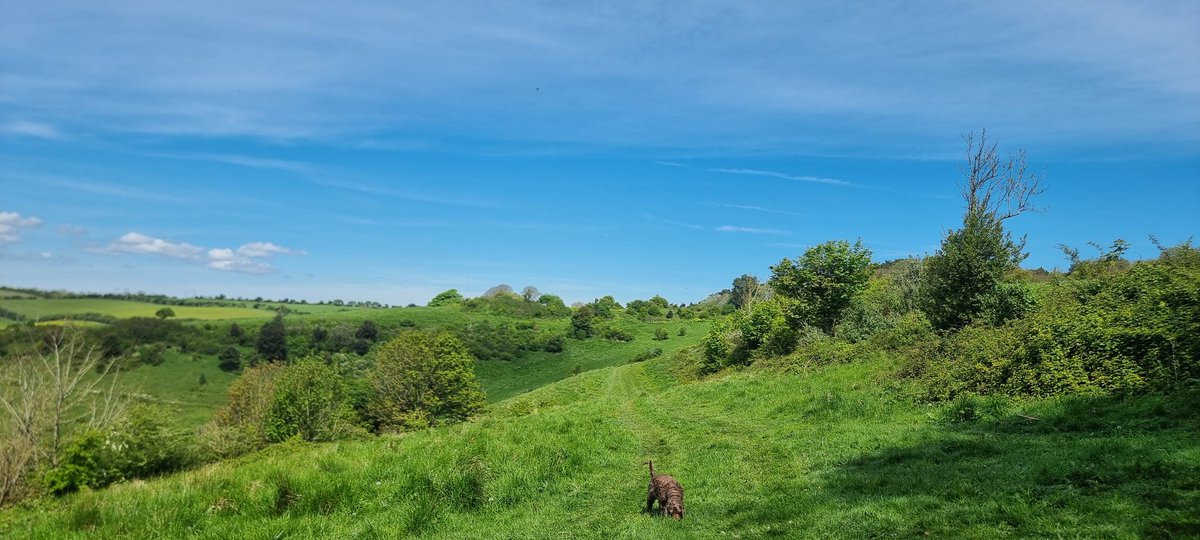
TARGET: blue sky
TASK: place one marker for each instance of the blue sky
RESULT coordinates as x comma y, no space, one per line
379,151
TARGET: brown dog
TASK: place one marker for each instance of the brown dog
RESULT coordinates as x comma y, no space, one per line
667,491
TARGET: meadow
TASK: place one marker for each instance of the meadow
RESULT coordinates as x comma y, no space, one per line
824,453
35,308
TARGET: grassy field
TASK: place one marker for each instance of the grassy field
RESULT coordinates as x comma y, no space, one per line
40,307
828,454
175,386
8,293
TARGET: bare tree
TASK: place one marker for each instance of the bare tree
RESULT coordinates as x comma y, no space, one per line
45,394
1001,188
531,293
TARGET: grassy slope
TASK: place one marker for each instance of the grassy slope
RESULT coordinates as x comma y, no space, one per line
828,454
38,307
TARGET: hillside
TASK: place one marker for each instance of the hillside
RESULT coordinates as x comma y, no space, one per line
828,453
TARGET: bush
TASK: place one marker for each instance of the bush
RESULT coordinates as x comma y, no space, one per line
310,402
230,359
271,344
1118,331
245,412
613,333
660,334
423,378
138,445
646,355
582,322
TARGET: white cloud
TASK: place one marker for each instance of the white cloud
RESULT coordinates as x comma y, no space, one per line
245,259
36,130
140,243
752,230
11,224
265,249
245,266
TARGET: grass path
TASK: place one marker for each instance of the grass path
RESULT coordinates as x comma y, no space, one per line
828,454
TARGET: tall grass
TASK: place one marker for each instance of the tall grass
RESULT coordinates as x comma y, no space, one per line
831,453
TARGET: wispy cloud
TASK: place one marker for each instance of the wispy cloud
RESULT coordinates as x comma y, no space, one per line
751,230
721,228
497,73
37,130
754,208
785,176
109,190
250,258
67,229
11,224
683,224
417,196
253,162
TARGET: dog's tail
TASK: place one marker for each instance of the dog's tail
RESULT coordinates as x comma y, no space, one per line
651,464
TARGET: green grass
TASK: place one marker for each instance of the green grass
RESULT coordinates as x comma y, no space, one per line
833,453
504,379
9,293
39,307
175,387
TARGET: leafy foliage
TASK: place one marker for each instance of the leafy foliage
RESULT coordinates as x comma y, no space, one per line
272,341
309,401
960,280
423,378
446,298
822,282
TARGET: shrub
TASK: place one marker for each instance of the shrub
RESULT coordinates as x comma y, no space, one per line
310,402
272,340
660,334
138,445
250,398
646,355
230,359
613,333
423,378
822,282
582,322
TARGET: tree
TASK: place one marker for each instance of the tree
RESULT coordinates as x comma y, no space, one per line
310,400
745,289
367,331
45,397
423,378
164,313
1000,189
582,326
531,294
959,279
819,285
236,332
499,290
272,340
604,306
230,359
446,298
962,277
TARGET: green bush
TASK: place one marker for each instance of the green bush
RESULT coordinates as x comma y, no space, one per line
1130,330
660,334
230,359
423,378
140,444
310,402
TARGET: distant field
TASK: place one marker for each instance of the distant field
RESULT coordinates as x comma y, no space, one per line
39,307
7,293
